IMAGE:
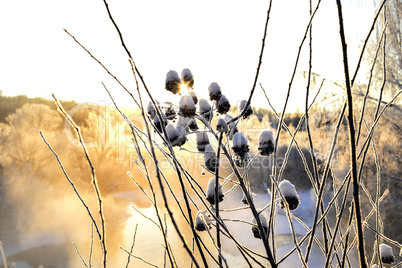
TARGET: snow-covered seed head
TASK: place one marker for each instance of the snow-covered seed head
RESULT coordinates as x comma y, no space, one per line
172,134
211,192
289,192
264,224
214,91
202,140
222,126
186,106
187,78
193,125
194,96
159,124
182,135
266,142
223,105
232,126
151,109
170,112
210,160
240,147
374,266
249,110
205,109
386,254
202,221
173,82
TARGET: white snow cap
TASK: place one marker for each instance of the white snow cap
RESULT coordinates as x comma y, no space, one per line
263,220
209,153
265,136
242,105
239,140
202,137
172,75
186,75
222,100
222,126
194,96
385,251
172,132
200,217
288,189
209,149
186,101
211,188
374,266
151,109
214,88
204,106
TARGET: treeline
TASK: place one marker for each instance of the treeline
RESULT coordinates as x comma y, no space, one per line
10,104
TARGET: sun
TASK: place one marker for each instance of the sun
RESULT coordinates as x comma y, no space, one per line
183,89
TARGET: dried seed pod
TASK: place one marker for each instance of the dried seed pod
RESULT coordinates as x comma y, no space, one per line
159,124
194,96
202,141
223,105
289,192
386,254
151,109
187,78
249,110
205,109
240,147
186,106
170,112
202,221
211,192
182,135
214,91
210,160
222,126
264,224
266,142
193,125
172,134
173,82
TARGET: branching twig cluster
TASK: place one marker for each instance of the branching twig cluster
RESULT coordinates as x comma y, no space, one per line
339,235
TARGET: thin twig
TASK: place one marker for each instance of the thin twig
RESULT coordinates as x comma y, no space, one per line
139,258
93,175
79,254
73,186
352,142
132,246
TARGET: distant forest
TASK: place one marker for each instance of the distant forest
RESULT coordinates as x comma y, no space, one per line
10,104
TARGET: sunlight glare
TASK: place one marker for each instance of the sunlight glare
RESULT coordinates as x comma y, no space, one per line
183,89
